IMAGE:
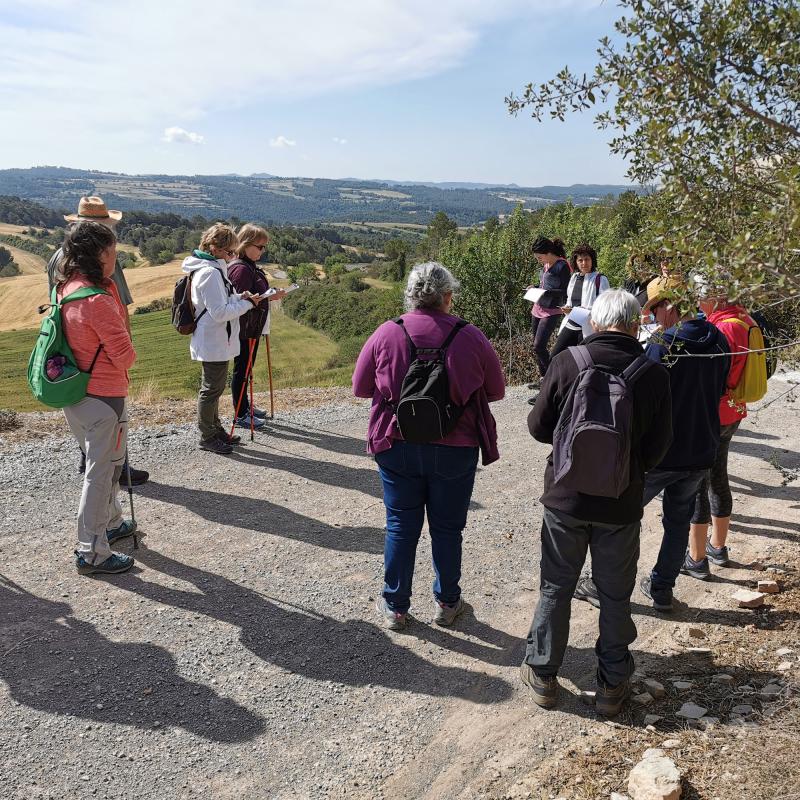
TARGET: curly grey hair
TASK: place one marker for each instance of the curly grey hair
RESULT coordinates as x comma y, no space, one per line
428,283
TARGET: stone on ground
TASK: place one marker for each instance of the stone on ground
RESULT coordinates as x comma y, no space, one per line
655,777
769,587
655,688
747,599
691,711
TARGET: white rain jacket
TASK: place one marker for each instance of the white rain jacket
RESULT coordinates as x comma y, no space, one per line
216,337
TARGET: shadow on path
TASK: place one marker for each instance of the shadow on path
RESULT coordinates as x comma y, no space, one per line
302,641
58,664
261,516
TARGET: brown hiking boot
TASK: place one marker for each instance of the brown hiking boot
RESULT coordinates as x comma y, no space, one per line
608,700
545,690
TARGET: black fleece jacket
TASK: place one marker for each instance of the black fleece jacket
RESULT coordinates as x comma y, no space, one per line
651,434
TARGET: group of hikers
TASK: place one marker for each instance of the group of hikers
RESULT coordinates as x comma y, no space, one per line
627,421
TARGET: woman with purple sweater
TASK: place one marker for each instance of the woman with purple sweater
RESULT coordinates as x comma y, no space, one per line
435,477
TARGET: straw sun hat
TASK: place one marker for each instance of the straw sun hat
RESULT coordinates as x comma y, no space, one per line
94,209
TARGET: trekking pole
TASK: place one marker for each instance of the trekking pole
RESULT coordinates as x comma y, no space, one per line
252,415
269,368
244,386
130,497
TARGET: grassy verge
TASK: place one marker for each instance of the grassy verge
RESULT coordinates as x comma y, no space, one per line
300,357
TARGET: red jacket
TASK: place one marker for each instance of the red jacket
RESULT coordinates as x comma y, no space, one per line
737,337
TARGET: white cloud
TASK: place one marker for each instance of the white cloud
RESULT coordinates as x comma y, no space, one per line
70,62
282,141
339,140
177,135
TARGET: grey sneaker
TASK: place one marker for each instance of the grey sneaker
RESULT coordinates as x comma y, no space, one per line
717,555
586,590
393,620
696,569
545,690
662,598
126,529
446,615
116,562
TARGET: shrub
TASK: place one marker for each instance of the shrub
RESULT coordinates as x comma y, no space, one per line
10,270
159,304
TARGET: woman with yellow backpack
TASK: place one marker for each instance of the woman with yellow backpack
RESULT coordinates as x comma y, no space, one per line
746,383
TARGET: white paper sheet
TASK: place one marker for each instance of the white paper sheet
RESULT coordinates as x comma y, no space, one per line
580,316
533,295
646,331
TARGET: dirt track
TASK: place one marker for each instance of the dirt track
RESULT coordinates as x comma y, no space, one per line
242,657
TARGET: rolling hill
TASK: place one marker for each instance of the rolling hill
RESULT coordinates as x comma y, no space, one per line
279,200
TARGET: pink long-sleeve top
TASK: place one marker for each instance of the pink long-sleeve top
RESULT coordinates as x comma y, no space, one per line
99,322
473,370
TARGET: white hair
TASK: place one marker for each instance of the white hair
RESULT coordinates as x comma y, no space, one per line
427,285
615,308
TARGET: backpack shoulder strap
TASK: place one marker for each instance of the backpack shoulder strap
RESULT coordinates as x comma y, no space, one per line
740,321
412,346
582,357
597,278
461,323
636,369
83,292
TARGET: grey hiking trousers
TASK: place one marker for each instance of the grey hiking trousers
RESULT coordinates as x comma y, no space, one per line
615,552
104,438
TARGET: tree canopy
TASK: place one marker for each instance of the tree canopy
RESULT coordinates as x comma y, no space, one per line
702,96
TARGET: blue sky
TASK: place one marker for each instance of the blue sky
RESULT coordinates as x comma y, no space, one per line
406,90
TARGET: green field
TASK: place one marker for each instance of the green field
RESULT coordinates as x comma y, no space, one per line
300,357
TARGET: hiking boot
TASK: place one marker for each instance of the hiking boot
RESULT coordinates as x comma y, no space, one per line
244,422
229,438
586,590
116,562
446,615
545,690
128,528
608,700
258,412
217,446
717,555
532,400
695,569
138,477
393,620
662,598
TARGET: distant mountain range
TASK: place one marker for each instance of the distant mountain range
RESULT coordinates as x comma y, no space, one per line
279,200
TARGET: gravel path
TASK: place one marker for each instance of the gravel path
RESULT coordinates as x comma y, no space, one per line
242,657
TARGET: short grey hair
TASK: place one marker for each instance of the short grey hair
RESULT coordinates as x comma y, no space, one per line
427,285
615,308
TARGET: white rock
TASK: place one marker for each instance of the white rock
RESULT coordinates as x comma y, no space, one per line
655,688
784,651
618,796
653,752
699,651
769,587
655,778
747,599
691,711
784,666
671,744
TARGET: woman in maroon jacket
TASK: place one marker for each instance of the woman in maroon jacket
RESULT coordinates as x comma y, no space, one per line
246,276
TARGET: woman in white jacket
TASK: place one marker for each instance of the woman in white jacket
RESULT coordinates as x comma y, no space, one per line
215,341
584,286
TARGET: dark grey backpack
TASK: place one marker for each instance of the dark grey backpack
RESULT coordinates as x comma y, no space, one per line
592,440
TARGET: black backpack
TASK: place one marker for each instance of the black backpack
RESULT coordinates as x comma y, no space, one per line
425,413
183,319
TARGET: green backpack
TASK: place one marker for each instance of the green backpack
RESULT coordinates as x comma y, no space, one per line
51,349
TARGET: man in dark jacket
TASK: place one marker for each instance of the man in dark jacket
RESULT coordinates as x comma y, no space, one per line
574,522
696,385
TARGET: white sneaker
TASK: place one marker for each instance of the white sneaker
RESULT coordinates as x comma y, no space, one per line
393,620
446,615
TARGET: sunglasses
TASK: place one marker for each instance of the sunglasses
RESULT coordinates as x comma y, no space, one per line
260,247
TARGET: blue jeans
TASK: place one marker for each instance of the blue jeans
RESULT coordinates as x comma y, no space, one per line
680,490
419,478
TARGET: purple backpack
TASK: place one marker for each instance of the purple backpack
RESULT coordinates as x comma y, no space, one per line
592,440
